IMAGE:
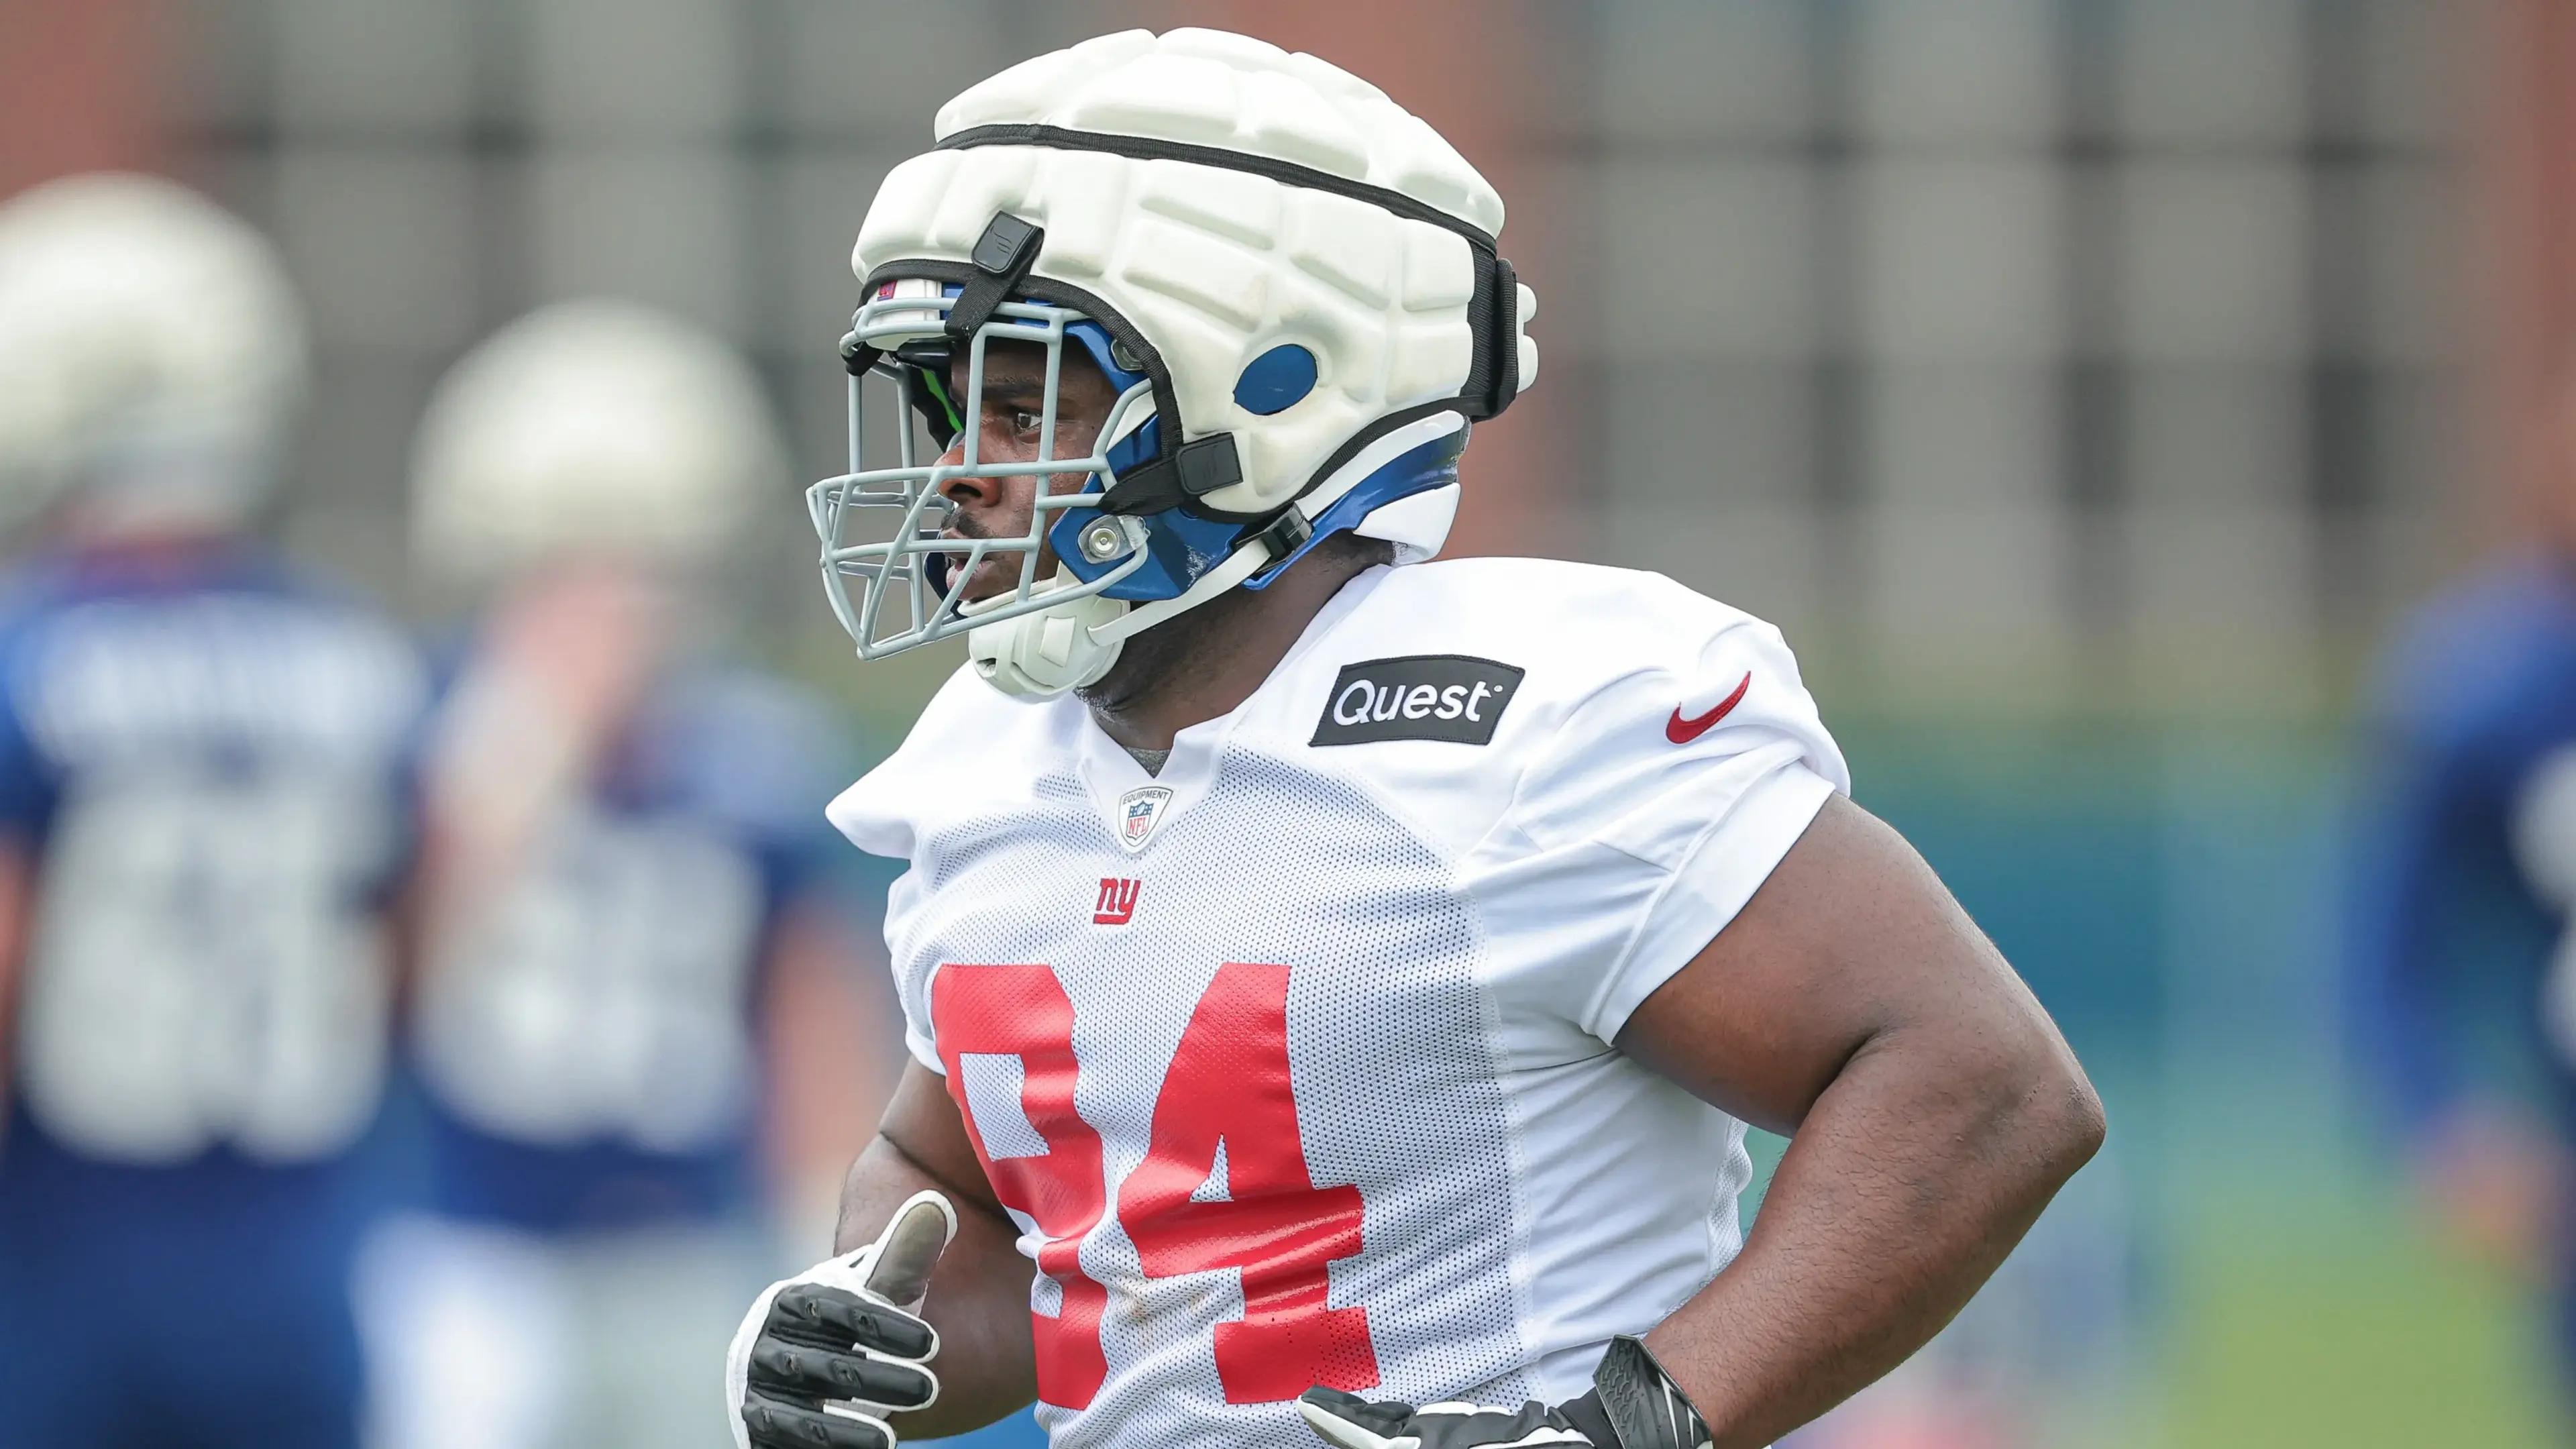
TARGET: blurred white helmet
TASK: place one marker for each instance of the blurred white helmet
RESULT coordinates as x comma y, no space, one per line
591,427
1290,283
151,348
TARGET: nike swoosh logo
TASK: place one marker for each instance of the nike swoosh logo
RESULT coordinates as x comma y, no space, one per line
1682,731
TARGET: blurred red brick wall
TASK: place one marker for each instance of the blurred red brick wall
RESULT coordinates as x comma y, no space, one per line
80,87
2523,90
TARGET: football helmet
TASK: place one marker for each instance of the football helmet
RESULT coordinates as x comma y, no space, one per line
1290,283
152,352
590,426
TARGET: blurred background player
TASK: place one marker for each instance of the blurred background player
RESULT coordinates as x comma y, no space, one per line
202,810
2463,951
625,879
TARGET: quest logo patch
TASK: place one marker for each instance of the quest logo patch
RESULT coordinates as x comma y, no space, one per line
1452,697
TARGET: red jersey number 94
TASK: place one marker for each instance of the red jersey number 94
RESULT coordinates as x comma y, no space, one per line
1228,1084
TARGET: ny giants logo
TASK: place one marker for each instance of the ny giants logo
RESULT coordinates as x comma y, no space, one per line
1117,904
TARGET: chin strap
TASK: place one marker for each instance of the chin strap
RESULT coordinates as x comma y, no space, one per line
1073,644
1239,565
1193,471
1049,651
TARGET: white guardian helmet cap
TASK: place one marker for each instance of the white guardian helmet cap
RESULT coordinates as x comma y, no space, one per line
151,348
1291,284
586,427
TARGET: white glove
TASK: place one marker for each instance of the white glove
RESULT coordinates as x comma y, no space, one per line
823,1357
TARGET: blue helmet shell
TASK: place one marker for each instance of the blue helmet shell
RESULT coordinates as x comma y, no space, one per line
1182,546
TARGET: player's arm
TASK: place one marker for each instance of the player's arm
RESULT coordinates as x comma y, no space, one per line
979,1296
892,1338
1933,1110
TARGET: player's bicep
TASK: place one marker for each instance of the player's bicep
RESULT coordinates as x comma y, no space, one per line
1850,937
923,1125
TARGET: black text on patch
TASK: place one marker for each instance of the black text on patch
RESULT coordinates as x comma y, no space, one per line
1451,697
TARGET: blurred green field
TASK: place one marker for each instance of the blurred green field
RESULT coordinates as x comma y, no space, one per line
2329,1321
2321,1321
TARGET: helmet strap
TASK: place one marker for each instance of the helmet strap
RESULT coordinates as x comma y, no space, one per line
1243,563
1195,469
1002,257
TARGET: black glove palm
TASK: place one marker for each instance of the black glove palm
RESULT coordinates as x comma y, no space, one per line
1632,1405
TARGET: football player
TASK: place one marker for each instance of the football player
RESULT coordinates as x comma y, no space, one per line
203,806
626,863
2462,960
1338,984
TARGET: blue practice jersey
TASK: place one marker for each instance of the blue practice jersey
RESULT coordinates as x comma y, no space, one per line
2463,972
593,1059
205,763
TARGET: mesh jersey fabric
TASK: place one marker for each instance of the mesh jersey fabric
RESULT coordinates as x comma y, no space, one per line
1457,932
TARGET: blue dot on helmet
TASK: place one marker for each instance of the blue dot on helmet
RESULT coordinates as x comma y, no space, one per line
1274,381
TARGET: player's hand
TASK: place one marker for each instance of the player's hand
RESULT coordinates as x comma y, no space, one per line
823,1357
1631,1406
1348,1421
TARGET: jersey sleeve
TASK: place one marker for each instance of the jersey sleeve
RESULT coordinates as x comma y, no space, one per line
873,815
890,811
1661,802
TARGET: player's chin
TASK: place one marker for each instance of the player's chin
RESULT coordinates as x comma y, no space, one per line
995,578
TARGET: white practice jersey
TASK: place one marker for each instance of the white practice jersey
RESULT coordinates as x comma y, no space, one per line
1293,1063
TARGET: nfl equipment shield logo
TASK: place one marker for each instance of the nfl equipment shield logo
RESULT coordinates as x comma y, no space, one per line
1139,811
